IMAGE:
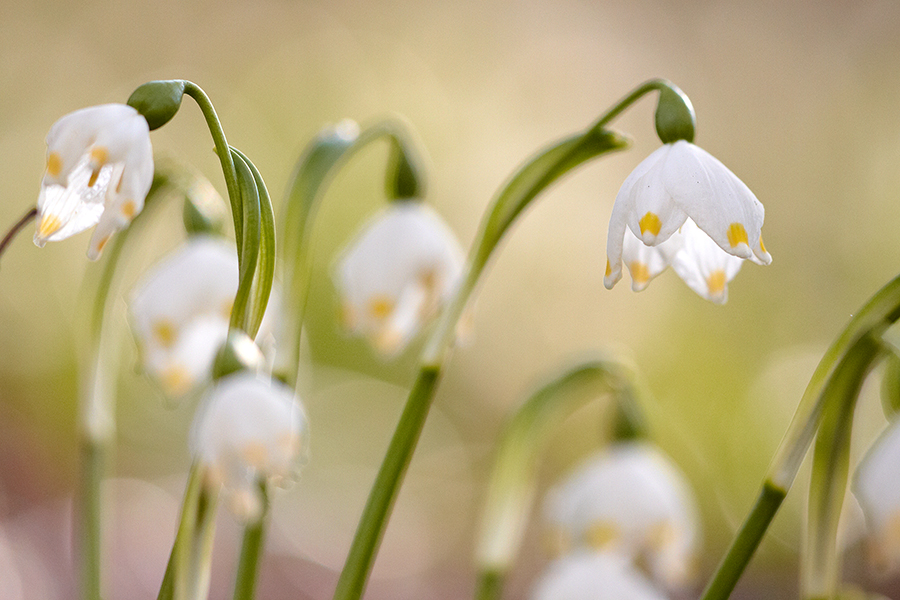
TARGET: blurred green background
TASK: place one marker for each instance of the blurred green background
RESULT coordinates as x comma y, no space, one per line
799,99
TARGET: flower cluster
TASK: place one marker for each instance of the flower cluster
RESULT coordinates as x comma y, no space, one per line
394,277
99,170
684,208
629,504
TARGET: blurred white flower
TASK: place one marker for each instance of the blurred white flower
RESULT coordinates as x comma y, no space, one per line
395,275
593,576
877,487
676,183
247,430
180,311
631,500
99,170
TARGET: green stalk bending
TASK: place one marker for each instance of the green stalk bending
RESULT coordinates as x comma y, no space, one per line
820,567
882,310
534,177
512,485
316,168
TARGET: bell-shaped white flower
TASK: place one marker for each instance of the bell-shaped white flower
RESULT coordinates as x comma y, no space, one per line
702,264
99,170
631,500
397,273
677,182
593,576
877,487
180,312
248,430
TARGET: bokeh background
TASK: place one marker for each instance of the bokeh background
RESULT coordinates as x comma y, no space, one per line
799,99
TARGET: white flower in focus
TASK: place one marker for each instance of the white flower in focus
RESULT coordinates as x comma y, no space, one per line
631,500
180,312
877,487
593,576
396,274
99,170
678,182
248,430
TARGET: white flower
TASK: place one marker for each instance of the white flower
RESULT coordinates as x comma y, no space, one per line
397,273
676,183
877,487
631,500
593,576
248,430
180,312
99,170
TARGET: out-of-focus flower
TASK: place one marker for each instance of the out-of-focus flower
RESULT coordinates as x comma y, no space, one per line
593,576
99,170
877,488
630,500
703,265
676,183
180,312
396,274
248,430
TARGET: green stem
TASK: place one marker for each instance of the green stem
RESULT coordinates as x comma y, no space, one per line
225,158
745,543
353,578
524,186
93,465
820,566
251,551
249,246
489,586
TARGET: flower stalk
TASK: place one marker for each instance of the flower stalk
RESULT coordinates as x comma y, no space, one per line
524,186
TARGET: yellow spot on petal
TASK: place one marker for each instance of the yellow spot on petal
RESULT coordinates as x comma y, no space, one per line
661,535
762,246
102,244
99,156
639,272
226,309
715,283
94,174
602,534
736,234
175,380
388,341
49,225
165,333
650,222
380,307
608,268
129,208
54,164
256,454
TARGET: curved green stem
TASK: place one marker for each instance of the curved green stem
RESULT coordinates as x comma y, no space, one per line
820,566
225,158
872,320
535,176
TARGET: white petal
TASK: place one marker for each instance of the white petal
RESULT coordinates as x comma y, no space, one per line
646,262
703,265
877,488
593,576
718,202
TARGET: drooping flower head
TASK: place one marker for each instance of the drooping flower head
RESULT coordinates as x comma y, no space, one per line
677,183
877,487
180,312
99,170
630,500
396,274
593,576
248,430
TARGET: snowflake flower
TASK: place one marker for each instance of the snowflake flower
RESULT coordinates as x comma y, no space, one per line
677,183
249,430
397,273
593,576
99,170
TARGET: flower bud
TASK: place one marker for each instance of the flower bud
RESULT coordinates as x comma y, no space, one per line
158,101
